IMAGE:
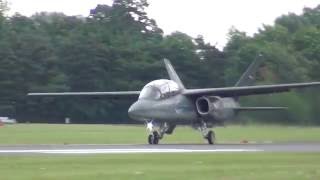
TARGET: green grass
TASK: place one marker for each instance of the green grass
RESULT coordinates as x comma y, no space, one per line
108,134
163,166
226,166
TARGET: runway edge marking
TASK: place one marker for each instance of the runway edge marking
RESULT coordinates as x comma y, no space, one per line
124,151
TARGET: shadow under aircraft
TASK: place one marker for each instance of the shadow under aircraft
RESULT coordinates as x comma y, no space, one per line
163,103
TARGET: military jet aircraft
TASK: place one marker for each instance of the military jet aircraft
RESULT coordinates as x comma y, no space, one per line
163,103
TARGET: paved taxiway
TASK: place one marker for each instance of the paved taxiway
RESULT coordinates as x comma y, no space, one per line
162,148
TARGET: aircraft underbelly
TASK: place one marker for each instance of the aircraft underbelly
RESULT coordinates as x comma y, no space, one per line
177,109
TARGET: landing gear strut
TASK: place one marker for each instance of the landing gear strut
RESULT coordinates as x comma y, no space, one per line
157,131
209,135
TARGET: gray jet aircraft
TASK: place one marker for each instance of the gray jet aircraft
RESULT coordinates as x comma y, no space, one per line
163,103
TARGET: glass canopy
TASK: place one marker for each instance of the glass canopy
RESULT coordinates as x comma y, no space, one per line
159,89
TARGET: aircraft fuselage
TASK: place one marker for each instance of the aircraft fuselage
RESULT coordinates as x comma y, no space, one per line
179,109
176,109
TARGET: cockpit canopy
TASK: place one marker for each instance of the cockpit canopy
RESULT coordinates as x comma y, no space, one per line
159,89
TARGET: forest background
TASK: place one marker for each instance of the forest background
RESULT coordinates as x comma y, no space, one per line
119,48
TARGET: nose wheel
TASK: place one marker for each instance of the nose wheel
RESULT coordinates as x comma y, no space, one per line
154,138
157,130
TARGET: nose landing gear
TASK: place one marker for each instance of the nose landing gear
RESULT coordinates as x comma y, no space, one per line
154,135
153,138
157,131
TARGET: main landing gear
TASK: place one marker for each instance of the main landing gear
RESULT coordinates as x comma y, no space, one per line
209,135
157,131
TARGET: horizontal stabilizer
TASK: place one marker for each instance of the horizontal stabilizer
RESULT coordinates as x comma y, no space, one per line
260,108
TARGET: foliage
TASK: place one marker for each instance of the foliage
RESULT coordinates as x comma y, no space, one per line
119,47
290,51
3,7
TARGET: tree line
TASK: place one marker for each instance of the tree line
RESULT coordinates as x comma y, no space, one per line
118,47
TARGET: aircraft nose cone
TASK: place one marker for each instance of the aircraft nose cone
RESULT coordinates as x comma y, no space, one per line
134,110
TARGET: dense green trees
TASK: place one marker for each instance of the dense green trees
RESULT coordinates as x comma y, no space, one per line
291,53
119,47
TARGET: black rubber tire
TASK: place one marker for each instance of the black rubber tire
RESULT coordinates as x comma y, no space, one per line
155,138
211,137
150,139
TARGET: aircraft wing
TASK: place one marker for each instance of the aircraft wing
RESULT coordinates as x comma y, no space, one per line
260,108
94,94
248,90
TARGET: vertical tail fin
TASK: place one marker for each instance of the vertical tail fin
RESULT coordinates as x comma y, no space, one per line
172,74
247,77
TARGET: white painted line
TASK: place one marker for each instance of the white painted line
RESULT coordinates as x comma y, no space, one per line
125,151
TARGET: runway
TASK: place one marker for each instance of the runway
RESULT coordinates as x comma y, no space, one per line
161,148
